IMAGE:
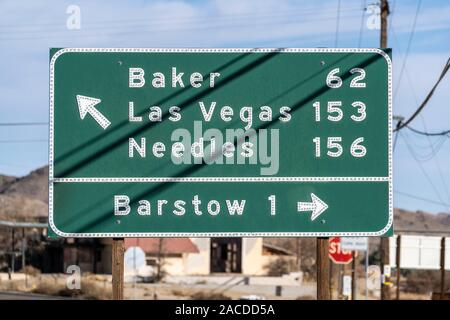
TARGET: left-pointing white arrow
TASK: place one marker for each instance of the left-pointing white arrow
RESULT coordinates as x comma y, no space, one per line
317,206
87,105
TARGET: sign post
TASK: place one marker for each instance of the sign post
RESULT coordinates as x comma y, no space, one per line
347,286
323,269
220,142
356,244
354,280
442,265
117,268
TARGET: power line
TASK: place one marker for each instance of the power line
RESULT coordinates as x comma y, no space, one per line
423,171
427,98
361,27
185,18
336,38
434,148
139,30
10,124
421,198
429,134
436,161
411,35
196,23
395,141
24,141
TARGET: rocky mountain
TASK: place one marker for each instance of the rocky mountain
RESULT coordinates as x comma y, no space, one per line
6,181
34,185
24,198
421,221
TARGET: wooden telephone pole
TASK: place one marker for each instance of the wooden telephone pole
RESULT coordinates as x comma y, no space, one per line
117,268
397,264
384,12
442,293
323,269
384,248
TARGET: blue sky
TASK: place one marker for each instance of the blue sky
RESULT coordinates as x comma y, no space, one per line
29,28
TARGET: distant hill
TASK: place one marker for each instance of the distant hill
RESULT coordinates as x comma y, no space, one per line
6,181
411,221
24,198
34,185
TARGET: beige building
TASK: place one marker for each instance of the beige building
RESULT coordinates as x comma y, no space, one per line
205,256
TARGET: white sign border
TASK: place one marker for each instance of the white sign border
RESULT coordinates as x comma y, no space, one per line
52,180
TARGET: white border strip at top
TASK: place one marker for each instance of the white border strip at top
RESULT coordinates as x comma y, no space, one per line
52,180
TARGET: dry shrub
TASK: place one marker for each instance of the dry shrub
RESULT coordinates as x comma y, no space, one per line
30,270
278,267
89,290
10,285
200,295
422,281
47,287
178,292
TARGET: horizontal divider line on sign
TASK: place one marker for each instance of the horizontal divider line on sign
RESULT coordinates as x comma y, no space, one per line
226,179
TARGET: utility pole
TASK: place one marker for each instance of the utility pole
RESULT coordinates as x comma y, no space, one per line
384,247
397,264
323,268
384,250
442,293
117,268
384,12
13,249
354,275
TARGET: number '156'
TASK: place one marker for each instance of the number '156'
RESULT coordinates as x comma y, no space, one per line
335,149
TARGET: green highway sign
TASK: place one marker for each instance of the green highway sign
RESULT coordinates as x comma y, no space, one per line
220,142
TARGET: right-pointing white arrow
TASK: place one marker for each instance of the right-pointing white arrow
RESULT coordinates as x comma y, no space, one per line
317,206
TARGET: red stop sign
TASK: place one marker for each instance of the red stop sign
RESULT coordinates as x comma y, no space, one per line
336,254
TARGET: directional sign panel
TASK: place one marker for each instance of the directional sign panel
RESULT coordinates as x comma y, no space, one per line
220,142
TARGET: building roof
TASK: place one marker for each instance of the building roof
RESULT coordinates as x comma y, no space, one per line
277,250
169,245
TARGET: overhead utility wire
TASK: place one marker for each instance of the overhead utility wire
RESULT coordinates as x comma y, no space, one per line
336,38
427,98
8,124
442,133
421,198
411,35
